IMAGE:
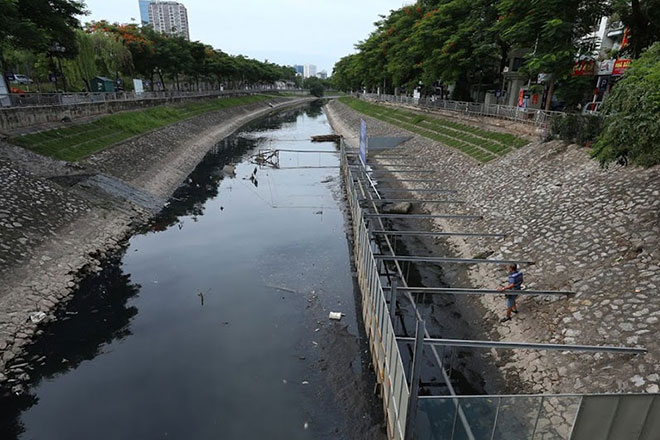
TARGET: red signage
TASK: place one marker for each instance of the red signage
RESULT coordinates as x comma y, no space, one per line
620,66
584,68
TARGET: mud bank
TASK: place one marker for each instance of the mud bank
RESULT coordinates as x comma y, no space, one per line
58,220
591,230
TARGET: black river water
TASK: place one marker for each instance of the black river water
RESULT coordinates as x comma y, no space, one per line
213,322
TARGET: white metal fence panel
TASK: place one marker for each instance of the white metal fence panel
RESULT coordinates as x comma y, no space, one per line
384,348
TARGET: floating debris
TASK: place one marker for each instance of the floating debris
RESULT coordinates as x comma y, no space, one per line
37,317
326,138
229,170
335,316
266,158
285,289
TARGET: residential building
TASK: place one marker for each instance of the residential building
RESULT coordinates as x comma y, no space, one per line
323,74
606,40
606,37
513,79
144,11
169,18
309,70
300,70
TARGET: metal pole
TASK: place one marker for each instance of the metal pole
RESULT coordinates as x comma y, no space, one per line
430,201
538,416
439,234
470,291
447,260
497,413
393,287
528,346
415,379
418,216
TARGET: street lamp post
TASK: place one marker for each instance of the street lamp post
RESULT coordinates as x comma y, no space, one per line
56,50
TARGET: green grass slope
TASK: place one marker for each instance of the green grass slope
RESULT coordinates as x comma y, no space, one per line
483,145
79,141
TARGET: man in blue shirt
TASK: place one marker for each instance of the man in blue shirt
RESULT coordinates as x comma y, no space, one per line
514,281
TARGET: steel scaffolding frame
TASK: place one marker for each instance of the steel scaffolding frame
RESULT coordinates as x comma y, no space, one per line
363,190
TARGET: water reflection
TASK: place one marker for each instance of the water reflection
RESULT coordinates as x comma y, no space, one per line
232,293
95,316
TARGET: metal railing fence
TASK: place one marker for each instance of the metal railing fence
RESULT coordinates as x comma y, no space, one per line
54,99
539,118
380,331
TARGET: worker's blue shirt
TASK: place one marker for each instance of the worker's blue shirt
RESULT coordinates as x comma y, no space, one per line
516,278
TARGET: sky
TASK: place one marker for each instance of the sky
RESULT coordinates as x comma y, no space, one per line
285,32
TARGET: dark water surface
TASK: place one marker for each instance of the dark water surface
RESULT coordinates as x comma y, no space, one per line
140,354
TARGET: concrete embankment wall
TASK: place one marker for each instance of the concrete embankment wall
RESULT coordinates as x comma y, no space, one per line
592,230
20,117
54,231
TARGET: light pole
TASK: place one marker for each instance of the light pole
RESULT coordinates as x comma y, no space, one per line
55,51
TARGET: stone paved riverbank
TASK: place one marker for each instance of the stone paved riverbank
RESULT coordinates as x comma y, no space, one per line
592,230
59,220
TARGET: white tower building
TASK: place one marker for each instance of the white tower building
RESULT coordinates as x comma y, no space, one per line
169,18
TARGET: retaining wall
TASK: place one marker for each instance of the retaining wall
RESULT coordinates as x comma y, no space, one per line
14,118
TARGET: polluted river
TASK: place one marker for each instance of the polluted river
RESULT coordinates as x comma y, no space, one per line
214,321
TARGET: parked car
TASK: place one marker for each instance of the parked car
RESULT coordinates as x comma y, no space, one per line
22,79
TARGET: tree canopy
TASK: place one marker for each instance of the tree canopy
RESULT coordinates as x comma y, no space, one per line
466,43
632,110
30,28
156,55
37,25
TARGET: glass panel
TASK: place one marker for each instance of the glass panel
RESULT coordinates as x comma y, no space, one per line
435,419
556,417
516,418
480,415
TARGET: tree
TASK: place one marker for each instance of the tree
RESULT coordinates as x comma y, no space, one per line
451,41
632,115
138,41
642,18
345,73
554,32
36,25
99,53
315,86
458,45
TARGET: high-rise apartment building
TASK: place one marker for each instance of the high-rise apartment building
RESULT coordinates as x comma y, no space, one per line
144,11
169,18
309,70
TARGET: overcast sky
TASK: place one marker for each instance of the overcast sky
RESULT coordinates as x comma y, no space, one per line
281,31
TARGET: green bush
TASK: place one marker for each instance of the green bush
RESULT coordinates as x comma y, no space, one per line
631,131
590,128
574,128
